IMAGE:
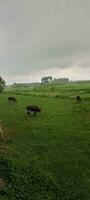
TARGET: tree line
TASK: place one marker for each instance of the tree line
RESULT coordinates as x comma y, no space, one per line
44,80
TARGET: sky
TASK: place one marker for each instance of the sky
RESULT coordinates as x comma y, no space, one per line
44,37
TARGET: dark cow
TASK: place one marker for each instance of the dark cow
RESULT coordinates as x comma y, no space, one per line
12,99
34,109
78,98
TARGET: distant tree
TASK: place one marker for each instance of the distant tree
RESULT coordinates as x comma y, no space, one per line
14,85
2,84
46,79
60,80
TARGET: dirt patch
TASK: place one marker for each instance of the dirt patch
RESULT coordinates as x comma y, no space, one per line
7,135
4,148
2,183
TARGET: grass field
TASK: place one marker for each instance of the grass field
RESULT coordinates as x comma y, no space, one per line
48,156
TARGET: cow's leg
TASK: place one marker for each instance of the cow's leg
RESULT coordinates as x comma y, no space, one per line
34,113
28,112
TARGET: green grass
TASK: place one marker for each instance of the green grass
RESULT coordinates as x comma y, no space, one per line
69,90
49,155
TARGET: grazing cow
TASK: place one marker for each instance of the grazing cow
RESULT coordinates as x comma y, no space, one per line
33,108
12,99
78,98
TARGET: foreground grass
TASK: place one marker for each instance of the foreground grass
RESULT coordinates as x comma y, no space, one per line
49,155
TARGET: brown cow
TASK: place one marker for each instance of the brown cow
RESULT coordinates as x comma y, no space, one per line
12,99
34,109
78,98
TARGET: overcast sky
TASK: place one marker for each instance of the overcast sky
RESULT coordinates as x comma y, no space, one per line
44,37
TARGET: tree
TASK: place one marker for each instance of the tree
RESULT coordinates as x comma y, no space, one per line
61,80
46,79
2,84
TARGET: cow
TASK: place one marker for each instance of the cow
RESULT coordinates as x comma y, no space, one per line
12,99
34,109
78,98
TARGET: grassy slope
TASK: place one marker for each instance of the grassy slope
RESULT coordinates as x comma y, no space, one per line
56,143
69,90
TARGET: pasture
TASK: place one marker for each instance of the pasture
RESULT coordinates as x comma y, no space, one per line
48,156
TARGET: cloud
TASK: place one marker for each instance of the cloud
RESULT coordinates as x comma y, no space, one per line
38,35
